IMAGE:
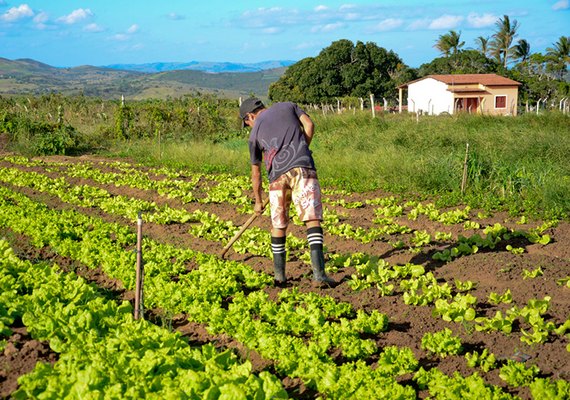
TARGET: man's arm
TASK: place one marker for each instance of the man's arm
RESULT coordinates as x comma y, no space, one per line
308,127
257,187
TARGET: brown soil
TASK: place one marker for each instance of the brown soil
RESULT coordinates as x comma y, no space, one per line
493,271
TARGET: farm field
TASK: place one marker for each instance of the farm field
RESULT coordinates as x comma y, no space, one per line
439,303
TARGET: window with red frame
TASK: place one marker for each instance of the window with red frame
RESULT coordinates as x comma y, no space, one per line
500,101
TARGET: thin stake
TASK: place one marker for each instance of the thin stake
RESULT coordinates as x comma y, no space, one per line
139,272
464,180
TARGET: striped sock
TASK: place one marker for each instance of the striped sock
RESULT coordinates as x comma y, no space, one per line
278,245
315,237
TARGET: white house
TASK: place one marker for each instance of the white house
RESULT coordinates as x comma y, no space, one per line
474,93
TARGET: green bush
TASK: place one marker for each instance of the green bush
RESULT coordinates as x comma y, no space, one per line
38,138
54,140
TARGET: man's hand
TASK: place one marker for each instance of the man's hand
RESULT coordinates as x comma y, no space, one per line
258,208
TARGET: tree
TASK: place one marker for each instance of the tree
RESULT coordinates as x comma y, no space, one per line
339,71
500,45
449,43
464,62
521,50
560,55
561,49
483,45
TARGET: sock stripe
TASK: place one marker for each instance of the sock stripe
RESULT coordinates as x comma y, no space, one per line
315,238
278,248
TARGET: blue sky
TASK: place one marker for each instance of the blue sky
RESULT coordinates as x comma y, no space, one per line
67,33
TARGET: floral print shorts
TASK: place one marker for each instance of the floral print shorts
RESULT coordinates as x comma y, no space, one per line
300,185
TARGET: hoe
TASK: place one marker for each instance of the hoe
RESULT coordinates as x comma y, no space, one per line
242,229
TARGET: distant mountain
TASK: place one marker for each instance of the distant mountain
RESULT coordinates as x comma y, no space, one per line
206,66
25,76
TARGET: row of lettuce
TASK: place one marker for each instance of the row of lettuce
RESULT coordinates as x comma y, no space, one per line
278,330
103,352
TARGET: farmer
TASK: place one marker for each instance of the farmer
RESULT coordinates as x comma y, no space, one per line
281,136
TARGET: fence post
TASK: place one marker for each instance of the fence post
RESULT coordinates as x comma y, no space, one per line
464,180
139,272
372,105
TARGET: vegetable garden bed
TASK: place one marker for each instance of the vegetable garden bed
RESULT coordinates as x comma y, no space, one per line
431,302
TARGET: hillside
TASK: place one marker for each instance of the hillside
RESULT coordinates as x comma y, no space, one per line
24,76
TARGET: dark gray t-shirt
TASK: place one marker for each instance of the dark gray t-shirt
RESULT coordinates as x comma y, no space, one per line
278,140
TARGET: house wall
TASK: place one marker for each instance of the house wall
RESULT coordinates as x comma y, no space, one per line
430,96
488,103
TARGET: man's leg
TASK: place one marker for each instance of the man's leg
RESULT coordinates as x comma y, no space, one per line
280,200
278,240
306,195
316,238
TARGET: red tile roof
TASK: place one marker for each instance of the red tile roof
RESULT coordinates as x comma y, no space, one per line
464,79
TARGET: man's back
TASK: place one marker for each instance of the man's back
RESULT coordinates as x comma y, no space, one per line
278,138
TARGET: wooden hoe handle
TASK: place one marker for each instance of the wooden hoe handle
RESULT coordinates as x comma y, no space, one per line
243,228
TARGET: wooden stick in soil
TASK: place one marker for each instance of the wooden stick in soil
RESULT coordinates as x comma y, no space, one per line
464,180
139,272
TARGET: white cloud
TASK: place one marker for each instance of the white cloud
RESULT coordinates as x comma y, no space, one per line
76,16
266,18
328,27
175,17
121,37
17,13
93,28
446,22
345,7
389,24
481,21
352,16
272,30
262,11
561,5
40,20
418,24
321,8
133,29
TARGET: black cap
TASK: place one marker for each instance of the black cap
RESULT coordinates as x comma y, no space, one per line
249,105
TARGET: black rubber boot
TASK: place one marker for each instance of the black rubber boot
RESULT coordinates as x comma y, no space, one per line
279,262
318,263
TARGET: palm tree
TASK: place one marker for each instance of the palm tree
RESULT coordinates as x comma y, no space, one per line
561,50
449,43
502,39
482,45
560,55
521,50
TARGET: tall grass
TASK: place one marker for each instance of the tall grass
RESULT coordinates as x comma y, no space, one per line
520,164
198,156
